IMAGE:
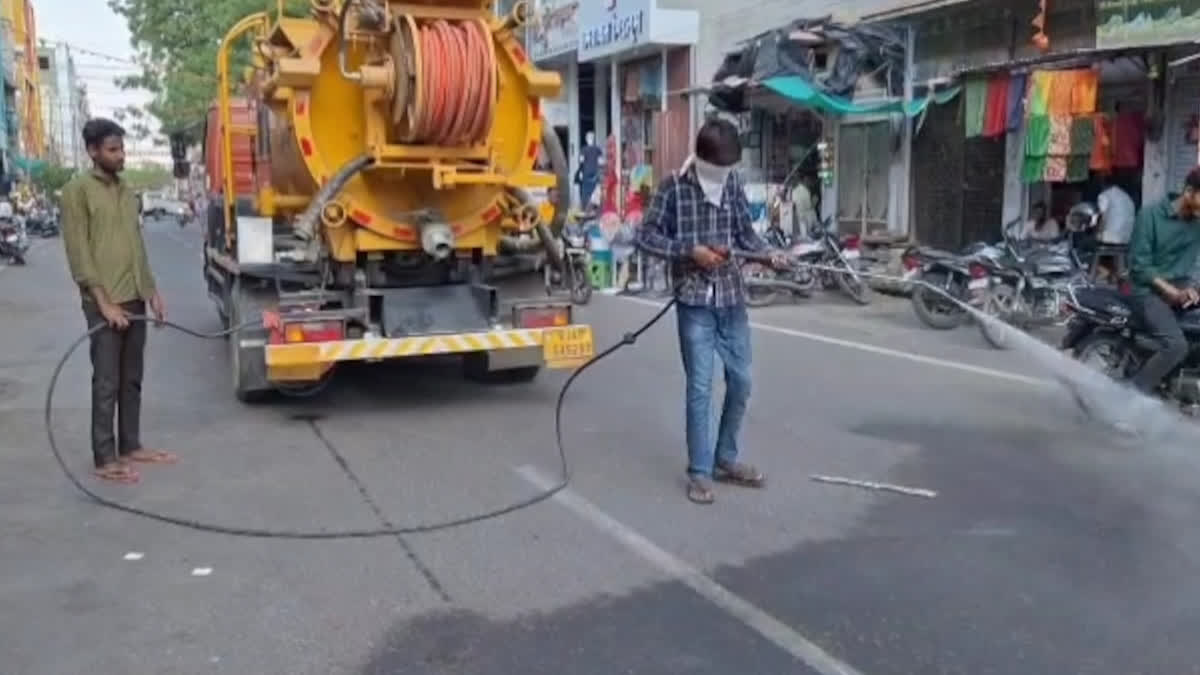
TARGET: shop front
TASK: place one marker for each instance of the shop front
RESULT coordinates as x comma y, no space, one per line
640,60
551,37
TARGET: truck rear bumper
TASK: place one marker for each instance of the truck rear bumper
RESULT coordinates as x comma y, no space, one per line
561,347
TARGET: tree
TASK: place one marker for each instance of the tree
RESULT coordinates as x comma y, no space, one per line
50,177
147,177
177,43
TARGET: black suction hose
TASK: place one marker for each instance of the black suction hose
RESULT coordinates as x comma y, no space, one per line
564,466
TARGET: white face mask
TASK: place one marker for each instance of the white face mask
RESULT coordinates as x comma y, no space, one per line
712,179
589,138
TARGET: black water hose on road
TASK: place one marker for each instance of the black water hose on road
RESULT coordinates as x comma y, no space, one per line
234,530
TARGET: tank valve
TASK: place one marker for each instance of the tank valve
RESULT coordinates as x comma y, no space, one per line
438,240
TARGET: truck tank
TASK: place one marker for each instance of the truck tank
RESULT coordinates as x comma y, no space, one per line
394,145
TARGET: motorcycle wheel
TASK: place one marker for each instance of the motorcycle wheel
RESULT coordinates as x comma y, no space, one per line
758,295
853,286
581,283
932,309
1109,355
1000,306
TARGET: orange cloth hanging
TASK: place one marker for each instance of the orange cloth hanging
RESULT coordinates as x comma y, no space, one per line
1062,88
1084,91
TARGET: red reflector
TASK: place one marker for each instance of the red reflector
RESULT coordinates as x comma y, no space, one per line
542,317
314,331
852,241
910,262
978,272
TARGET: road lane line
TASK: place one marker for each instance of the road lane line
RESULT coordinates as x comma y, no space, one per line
774,630
882,351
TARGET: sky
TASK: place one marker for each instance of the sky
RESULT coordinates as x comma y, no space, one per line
99,41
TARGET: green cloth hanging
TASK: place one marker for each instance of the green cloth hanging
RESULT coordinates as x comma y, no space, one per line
1078,168
1083,136
1037,136
1032,168
975,94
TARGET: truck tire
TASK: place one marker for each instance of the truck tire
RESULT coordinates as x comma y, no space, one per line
248,365
475,368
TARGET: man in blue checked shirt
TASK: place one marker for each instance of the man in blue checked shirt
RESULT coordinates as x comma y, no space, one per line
696,218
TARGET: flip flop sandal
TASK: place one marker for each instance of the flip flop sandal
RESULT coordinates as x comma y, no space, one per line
152,457
699,491
742,475
117,474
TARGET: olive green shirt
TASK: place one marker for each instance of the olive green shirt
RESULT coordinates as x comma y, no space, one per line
103,237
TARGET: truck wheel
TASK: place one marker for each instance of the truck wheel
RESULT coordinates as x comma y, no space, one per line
248,363
475,367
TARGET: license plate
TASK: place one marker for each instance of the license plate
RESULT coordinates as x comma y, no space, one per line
567,347
851,254
977,284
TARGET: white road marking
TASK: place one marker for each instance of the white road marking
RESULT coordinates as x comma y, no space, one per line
883,351
201,571
134,555
777,632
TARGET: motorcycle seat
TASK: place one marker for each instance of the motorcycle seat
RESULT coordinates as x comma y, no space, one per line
1106,301
938,253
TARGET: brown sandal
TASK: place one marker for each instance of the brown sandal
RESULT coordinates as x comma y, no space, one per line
742,475
116,472
699,490
147,456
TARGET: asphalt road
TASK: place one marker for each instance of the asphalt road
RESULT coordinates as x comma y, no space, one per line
1049,548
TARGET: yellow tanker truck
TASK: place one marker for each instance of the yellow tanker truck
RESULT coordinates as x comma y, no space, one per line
375,163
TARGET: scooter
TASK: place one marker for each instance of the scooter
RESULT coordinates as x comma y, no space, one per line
575,274
13,241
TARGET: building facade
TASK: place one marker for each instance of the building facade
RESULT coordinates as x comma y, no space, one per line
64,106
31,136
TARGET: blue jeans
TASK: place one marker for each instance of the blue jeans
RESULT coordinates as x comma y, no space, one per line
586,187
703,333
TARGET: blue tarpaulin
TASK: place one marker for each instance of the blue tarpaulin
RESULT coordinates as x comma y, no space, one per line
800,90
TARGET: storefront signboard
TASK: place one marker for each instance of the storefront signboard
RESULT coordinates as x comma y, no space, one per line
1137,23
608,27
554,30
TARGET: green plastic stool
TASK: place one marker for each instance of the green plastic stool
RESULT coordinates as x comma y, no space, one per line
601,273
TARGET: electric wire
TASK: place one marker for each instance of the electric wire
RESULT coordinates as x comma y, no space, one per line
324,534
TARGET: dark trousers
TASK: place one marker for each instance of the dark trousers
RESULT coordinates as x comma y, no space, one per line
1163,325
117,363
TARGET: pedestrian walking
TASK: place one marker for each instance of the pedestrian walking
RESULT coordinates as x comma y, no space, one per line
107,258
696,218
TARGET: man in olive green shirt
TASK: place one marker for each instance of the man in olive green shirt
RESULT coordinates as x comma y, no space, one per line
108,261
1163,250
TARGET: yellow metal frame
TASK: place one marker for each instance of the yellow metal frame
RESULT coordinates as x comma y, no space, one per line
261,21
289,356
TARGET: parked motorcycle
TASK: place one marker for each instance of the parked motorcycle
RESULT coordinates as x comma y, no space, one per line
42,222
832,254
576,273
1106,333
949,273
1028,287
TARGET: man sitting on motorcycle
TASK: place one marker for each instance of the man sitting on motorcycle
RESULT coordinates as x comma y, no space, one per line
1163,250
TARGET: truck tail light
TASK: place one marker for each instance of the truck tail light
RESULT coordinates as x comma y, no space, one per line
313,331
541,317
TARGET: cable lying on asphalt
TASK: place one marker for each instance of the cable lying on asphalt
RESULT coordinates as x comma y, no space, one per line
234,530
1099,396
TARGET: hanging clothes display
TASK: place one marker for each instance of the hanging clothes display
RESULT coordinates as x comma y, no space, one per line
1039,93
1037,146
1017,85
1102,150
1062,86
1129,139
975,106
1084,92
995,117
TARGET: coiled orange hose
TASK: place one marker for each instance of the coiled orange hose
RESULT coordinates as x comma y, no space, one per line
454,100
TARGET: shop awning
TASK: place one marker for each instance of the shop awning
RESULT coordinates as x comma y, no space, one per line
801,91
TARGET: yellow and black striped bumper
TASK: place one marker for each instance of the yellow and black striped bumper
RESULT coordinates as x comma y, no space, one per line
562,347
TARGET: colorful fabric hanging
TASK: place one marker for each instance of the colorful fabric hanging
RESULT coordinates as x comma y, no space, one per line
1083,136
1037,136
1056,170
1129,138
1084,92
975,100
1102,150
1033,168
1062,88
1039,93
1077,168
995,117
1060,136
1017,85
